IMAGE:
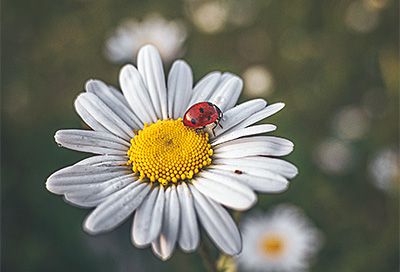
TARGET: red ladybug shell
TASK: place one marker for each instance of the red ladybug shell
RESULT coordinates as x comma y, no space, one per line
202,114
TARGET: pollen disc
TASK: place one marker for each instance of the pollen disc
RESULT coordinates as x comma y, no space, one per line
167,151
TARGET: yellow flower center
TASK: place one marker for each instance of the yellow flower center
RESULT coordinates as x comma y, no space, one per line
167,151
272,245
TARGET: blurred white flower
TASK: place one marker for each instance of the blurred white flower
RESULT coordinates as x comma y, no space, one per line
333,156
168,36
359,17
209,17
282,240
351,123
258,81
384,169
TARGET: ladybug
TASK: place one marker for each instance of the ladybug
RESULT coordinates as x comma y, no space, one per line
201,115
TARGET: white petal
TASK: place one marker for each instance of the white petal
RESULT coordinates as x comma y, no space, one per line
115,101
74,178
150,67
165,244
225,190
257,179
104,160
106,93
95,194
189,230
253,146
88,118
227,93
226,76
262,114
258,129
116,208
96,142
111,186
218,223
205,87
102,188
278,166
180,82
119,95
104,115
148,218
239,113
269,139
136,94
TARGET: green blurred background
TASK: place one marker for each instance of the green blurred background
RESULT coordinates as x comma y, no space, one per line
323,56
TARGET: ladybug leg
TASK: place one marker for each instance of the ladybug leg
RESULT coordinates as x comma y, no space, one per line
211,128
216,124
213,132
220,117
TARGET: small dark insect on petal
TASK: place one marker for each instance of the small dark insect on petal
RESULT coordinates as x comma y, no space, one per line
201,110
238,172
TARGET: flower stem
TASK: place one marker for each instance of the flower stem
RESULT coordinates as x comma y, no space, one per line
206,257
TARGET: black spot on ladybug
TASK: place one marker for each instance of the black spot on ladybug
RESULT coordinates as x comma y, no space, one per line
193,121
209,118
210,104
201,110
238,172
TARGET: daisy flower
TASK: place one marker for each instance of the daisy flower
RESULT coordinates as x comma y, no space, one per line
170,175
283,240
168,36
